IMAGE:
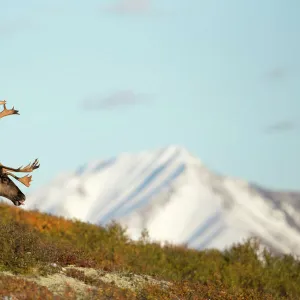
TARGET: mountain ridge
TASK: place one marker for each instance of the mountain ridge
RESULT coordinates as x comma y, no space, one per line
170,192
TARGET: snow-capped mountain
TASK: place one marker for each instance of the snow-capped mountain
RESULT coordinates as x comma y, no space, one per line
172,194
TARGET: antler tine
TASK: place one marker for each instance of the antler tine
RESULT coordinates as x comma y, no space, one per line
30,167
16,112
26,180
7,112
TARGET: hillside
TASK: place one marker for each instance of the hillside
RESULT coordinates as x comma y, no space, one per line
43,256
176,198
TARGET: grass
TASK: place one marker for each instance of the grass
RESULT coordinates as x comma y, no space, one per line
31,242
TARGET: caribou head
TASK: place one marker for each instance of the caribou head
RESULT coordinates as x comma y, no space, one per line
8,188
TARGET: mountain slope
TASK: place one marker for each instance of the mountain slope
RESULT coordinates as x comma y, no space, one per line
173,195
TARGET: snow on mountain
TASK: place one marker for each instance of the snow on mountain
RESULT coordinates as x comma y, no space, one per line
172,194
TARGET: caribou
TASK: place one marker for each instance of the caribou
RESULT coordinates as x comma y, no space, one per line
8,188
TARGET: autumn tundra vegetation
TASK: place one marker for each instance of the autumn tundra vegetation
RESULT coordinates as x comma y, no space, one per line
37,248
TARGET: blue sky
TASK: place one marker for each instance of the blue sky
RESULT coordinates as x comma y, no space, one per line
92,79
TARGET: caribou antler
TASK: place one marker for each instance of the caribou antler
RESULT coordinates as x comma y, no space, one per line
7,112
26,180
29,168
8,188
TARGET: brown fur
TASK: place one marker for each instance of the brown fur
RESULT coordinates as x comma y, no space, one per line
8,188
